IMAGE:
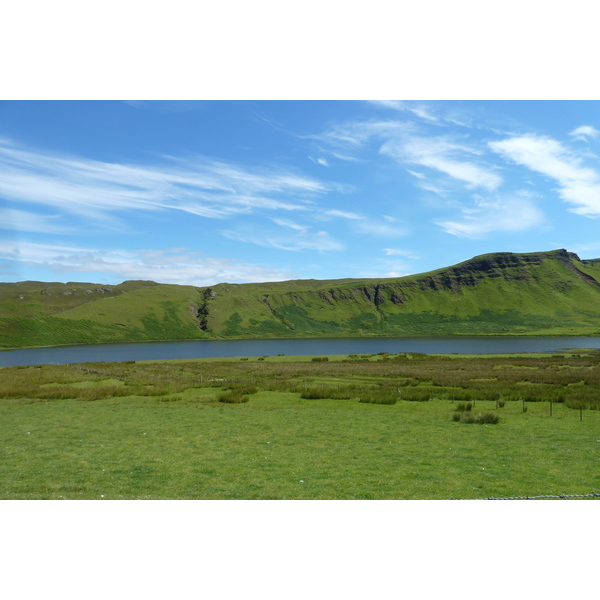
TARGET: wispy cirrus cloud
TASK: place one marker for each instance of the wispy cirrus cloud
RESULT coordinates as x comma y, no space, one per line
199,186
351,136
303,239
579,184
342,214
30,222
508,214
320,161
399,252
290,224
584,133
446,156
175,265
434,113
405,143
384,227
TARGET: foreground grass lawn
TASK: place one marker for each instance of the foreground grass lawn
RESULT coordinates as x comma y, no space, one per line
280,446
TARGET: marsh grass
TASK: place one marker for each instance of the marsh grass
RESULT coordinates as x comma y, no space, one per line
164,430
376,399
234,397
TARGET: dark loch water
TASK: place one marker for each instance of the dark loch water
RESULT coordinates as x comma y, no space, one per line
294,347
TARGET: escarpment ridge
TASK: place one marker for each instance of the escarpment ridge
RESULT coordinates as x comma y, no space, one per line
504,293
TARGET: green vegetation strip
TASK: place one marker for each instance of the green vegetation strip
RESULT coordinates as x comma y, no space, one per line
547,293
350,427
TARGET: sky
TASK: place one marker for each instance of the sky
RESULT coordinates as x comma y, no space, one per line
205,192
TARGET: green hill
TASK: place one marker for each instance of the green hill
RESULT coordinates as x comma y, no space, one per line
543,293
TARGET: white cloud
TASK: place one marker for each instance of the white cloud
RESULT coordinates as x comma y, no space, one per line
380,229
429,187
580,185
290,224
509,215
303,240
584,132
25,221
443,155
397,252
343,214
344,157
401,141
178,266
198,186
353,135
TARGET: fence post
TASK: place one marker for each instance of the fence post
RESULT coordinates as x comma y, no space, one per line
581,412
523,403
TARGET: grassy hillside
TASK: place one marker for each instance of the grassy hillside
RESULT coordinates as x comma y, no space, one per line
545,293
38,314
549,293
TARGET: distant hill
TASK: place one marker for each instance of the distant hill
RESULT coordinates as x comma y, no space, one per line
541,293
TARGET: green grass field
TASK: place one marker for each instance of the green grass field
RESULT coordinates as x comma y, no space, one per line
158,430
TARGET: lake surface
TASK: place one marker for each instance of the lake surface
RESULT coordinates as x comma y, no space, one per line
294,347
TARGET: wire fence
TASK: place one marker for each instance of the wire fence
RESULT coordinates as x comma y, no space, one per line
561,496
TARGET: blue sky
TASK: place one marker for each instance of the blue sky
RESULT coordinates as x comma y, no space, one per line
250,191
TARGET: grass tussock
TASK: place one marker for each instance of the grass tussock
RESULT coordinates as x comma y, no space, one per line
374,399
234,397
315,394
481,418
